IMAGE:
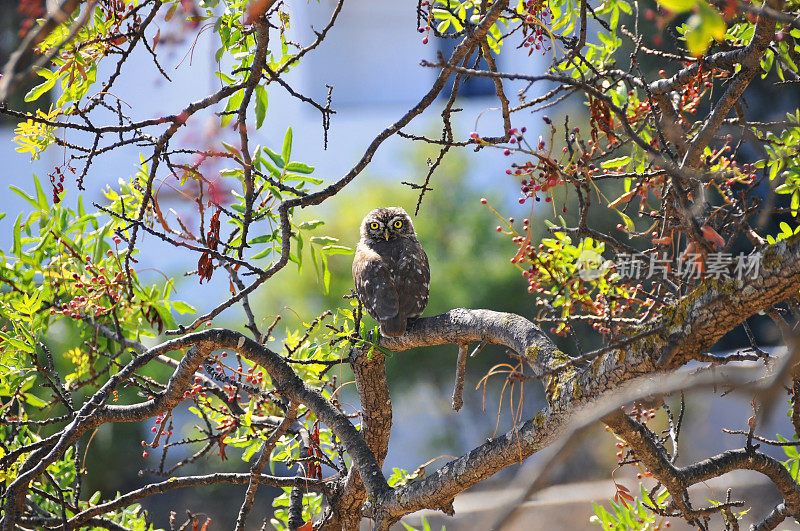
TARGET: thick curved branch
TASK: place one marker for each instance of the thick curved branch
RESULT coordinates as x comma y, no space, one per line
461,326
748,460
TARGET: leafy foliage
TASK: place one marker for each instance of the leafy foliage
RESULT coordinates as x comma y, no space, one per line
650,150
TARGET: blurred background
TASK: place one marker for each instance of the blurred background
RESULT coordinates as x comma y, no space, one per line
371,59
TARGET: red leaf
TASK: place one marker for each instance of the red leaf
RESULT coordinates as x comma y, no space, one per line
624,198
712,236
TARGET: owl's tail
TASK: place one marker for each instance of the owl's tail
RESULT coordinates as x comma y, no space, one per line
394,327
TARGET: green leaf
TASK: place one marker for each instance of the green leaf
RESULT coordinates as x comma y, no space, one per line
337,249
326,275
678,6
628,221
233,150
766,62
16,343
233,103
182,307
24,196
17,247
605,39
100,245
299,167
224,77
262,102
703,26
36,92
35,401
616,163
323,240
41,199
249,452
262,254
264,238
275,158
287,145
303,179
311,224
230,172
270,168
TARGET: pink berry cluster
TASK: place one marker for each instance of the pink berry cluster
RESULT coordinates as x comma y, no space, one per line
197,387
95,290
515,138
536,18
158,429
216,369
537,177
426,29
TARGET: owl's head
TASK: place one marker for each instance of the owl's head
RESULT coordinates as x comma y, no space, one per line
387,223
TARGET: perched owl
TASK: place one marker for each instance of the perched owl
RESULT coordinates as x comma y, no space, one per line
391,270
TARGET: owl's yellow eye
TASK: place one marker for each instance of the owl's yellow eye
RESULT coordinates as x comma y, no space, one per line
374,225
397,224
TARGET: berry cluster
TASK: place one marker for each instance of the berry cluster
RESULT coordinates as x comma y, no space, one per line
692,93
537,17
96,290
57,181
232,386
426,28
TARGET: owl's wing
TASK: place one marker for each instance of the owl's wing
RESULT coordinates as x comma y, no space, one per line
413,281
374,285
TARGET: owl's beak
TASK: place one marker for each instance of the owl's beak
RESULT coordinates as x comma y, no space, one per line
386,234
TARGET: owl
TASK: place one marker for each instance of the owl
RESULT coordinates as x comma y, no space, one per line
391,270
